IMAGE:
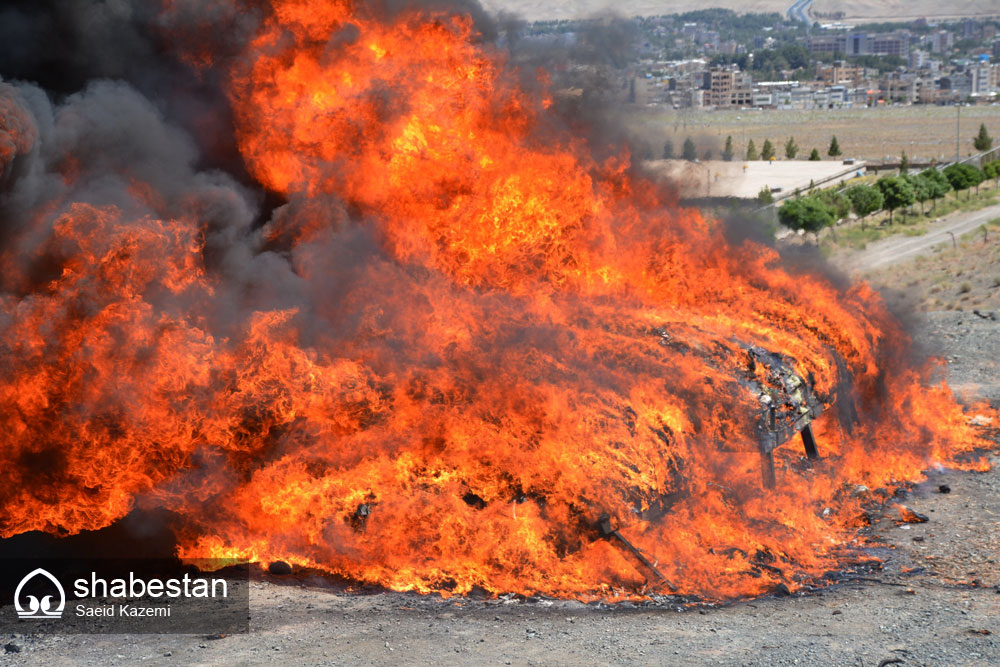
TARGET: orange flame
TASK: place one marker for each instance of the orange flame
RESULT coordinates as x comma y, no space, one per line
505,339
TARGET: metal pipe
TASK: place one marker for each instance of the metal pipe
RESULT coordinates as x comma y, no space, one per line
767,469
809,442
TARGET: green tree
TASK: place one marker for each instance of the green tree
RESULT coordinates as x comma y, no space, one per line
904,164
938,184
962,177
765,196
727,152
838,202
977,176
767,152
708,154
896,193
983,141
865,200
752,151
921,188
668,150
814,156
791,148
992,170
689,152
834,150
806,213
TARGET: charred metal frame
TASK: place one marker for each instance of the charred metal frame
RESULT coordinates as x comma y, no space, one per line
788,407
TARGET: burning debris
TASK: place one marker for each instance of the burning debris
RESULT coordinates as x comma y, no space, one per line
429,365
604,526
909,516
788,406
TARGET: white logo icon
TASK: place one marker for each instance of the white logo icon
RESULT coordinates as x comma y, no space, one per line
38,609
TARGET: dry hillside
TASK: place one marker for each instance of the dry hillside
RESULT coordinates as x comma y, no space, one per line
854,9
906,10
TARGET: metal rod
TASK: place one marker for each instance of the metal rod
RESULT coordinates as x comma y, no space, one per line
809,442
767,469
645,561
604,527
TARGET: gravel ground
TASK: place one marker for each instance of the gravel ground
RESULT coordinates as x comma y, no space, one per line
935,602
970,344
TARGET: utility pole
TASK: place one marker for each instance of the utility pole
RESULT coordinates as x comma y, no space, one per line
743,140
958,133
743,154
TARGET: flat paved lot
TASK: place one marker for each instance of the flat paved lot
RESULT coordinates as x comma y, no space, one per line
715,178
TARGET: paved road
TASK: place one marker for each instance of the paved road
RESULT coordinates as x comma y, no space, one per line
800,11
898,249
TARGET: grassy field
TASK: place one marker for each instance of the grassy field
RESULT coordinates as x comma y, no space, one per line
924,132
898,10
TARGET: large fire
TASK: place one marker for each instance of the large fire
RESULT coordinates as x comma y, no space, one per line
494,339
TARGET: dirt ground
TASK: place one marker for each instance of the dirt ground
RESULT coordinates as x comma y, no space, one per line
906,10
924,132
965,276
898,10
935,602
571,9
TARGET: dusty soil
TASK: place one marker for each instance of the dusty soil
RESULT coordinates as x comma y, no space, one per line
570,9
924,132
966,277
970,345
897,10
906,10
935,602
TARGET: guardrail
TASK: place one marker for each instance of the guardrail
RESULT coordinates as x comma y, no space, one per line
815,184
978,160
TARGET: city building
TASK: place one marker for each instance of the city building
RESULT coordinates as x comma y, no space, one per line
862,44
942,41
727,87
840,73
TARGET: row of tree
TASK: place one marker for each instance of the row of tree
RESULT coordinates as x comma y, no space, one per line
821,209
983,142
767,152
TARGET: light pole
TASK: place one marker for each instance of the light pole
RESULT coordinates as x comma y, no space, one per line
743,141
958,133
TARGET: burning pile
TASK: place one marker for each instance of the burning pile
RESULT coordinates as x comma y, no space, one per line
461,350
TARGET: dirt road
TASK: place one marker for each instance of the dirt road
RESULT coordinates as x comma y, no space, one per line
897,249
